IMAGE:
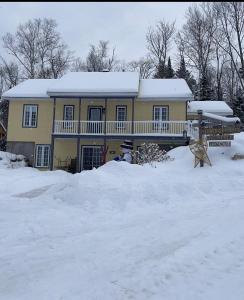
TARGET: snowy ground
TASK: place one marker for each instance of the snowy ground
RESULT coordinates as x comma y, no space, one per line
125,231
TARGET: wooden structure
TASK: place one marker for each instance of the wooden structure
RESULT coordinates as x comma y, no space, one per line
215,131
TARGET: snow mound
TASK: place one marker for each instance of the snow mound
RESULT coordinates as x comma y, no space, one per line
119,185
125,231
10,160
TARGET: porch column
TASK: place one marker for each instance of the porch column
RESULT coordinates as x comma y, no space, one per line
105,132
78,140
132,117
52,137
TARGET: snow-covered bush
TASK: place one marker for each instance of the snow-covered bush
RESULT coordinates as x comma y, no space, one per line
150,153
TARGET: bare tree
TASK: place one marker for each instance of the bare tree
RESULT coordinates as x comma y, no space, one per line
231,26
38,48
9,73
99,59
78,65
144,66
159,41
196,37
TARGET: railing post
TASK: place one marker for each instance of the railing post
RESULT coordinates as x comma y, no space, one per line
132,117
78,140
52,137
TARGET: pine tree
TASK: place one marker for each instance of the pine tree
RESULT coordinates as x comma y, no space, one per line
169,71
204,91
182,72
238,105
160,71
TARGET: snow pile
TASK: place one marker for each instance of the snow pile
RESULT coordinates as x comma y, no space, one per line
125,231
10,160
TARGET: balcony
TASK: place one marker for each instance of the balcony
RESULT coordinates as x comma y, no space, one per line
125,128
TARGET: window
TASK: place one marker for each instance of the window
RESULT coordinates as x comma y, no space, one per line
160,114
68,116
121,116
42,156
91,157
30,116
68,112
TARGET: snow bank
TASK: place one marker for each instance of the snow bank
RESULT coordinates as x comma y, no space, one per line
125,231
10,160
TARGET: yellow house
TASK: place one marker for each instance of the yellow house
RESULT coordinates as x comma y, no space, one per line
80,120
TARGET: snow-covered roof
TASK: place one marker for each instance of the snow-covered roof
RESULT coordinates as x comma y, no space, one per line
168,89
96,84
215,107
102,84
30,88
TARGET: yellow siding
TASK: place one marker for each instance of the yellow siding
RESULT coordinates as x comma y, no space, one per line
144,110
68,147
39,135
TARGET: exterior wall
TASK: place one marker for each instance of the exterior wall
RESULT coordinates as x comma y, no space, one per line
39,135
64,148
144,110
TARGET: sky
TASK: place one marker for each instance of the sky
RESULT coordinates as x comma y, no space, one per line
124,24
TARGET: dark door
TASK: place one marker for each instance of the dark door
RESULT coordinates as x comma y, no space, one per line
91,157
95,116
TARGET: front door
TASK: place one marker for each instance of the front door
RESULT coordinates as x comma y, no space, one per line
95,118
91,157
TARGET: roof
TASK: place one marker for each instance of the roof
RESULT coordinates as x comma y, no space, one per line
102,84
30,88
168,89
96,84
214,107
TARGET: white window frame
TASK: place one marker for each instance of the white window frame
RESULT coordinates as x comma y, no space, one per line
121,124
159,124
42,165
28,123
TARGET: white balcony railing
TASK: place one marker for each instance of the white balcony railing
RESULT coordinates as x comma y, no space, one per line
152,128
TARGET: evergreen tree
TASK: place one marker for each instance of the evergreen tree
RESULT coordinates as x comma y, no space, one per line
238,105
182,72
160,71
4,120
169,71
204,91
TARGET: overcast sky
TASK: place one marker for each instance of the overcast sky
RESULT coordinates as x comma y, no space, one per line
81,24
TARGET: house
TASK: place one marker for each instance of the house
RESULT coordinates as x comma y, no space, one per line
3,131
220,108
83,117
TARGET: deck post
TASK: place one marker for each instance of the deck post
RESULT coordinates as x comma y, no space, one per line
52,137
78,140
200,133
105,132
133,117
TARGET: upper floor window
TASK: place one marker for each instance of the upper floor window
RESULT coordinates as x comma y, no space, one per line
68,112
121,115
160,114
30,115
